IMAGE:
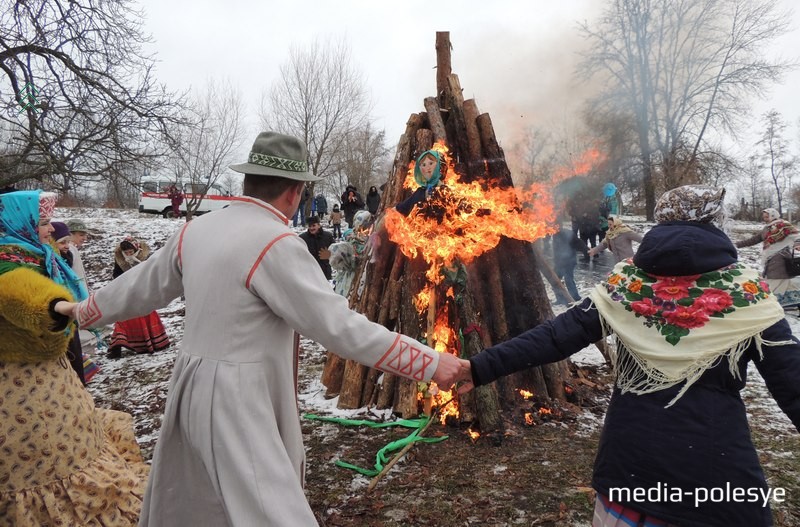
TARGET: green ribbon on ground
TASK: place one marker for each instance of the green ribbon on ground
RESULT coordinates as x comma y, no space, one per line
383,455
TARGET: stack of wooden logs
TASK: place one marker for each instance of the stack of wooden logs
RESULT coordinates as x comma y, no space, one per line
504,293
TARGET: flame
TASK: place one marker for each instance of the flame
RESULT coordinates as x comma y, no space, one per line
472,220
529,419
457,224
442,400
568,389
473,434
423,298
526,394
545,411
580,166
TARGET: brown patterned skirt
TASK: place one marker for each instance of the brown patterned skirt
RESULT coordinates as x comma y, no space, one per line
63,461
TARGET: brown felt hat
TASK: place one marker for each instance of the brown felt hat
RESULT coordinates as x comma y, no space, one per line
280,155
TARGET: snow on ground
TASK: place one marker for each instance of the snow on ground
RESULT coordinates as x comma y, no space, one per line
138,383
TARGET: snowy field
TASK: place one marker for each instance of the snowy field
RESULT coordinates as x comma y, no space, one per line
138,383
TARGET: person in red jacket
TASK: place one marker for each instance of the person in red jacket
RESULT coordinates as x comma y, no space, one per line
176,199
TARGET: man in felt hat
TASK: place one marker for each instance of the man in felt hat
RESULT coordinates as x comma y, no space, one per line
79,233
230,451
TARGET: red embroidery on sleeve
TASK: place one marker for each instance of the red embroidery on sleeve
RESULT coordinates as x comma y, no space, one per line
401,360
88,312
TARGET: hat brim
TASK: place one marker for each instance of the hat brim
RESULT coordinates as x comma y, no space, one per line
258,170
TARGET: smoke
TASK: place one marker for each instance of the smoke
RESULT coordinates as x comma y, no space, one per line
526,79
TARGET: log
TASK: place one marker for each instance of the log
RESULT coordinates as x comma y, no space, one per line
435,120
475,161
409,324
560,290
423,142
401,160
443,63
495,159
486,398
456,123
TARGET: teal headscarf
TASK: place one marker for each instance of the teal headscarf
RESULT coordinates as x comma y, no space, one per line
437,173
19,222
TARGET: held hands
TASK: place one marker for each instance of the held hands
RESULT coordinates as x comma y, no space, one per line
451,370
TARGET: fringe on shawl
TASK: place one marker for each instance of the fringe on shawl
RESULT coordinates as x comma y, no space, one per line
634,376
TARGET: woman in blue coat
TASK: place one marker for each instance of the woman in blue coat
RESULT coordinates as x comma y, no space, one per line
688,318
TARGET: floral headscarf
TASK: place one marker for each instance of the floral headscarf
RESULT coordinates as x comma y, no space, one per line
691,203
19,221
772,214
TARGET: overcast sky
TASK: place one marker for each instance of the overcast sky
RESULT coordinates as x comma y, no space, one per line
516,58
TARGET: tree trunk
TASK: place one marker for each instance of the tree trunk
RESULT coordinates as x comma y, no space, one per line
443,64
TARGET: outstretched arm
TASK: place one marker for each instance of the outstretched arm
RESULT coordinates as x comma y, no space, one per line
548,342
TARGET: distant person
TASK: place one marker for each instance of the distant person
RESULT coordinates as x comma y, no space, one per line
609,206
688,319
176,200
300,213
322,206
588,228
779,238
61,238
336,222
565,245
143,334
79,235
618,239
318,241
230,450
373,200
352,202
63,461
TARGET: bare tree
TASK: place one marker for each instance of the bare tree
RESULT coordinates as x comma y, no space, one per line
775,157
360,160
80,101
682,68
537,151
208,142
321,98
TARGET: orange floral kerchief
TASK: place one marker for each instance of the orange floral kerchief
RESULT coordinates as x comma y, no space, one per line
674,328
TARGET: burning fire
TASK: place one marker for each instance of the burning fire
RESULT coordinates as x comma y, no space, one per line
473,220
529,419
526,394
580,166
458,223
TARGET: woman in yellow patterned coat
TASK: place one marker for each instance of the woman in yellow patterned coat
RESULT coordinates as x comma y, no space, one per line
62,461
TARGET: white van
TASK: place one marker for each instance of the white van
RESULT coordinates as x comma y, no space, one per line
154,199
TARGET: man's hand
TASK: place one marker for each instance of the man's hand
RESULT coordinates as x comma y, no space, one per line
325,254
451,370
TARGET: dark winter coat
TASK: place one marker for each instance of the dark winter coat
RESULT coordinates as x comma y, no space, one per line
565,245
373,200
322,204
703,440
352,202
322,240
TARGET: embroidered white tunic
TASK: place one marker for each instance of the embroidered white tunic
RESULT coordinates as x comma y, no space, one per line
230,450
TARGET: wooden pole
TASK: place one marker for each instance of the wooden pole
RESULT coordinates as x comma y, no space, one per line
399,455
443,62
